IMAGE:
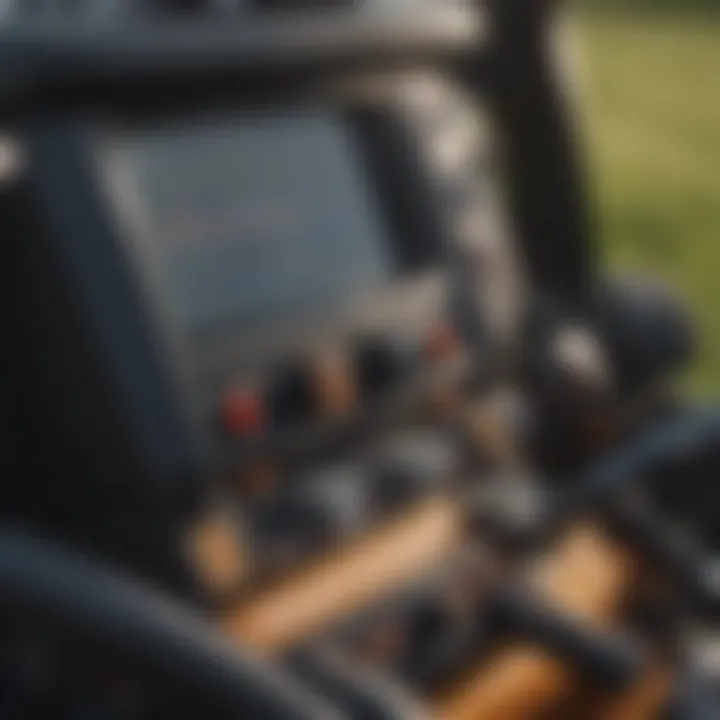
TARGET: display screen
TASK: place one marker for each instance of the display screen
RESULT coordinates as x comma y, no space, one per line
252,220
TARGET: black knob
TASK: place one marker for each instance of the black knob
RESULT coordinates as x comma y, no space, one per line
382,363
612,660
315,512
334,502
510,508
440,640
412,466
646,329
292,398
568,370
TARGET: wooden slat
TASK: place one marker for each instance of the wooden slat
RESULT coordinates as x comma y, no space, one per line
365,572
589,575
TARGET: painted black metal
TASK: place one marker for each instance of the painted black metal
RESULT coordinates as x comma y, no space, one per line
546,173
61,591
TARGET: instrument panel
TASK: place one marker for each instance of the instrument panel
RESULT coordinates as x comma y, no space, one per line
266,250
299,265
279,285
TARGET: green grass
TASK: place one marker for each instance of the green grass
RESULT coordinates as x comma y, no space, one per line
652,105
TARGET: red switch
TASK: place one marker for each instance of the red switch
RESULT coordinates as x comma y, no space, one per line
443,343
244,413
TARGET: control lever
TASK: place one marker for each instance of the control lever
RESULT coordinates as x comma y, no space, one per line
520,677
586,575
666,442
672,440
599,377
441,641
612,661
676,554
661,444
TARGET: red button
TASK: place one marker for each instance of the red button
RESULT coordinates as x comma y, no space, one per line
443,343
244,413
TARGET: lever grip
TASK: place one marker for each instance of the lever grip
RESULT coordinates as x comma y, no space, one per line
610,660
666,441
588,576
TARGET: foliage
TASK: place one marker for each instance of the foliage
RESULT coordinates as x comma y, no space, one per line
653,121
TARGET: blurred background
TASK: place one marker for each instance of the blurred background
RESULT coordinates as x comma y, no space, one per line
651,85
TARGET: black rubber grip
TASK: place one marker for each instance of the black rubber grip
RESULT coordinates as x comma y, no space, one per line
610,660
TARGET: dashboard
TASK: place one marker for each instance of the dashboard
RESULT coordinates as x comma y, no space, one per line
283,312
275,290
294,431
